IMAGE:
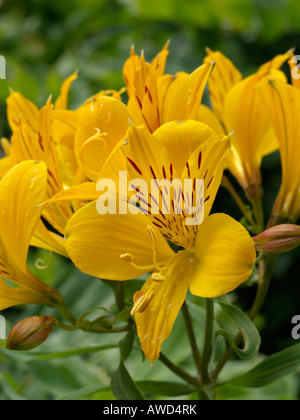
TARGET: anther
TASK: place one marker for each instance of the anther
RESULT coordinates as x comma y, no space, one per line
143,301
158,277
127,258
152,237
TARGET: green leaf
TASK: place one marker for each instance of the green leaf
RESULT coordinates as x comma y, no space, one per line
126,344
168,389
74,352
122,385
105,321
247,329
124,315
83,392
273,368
9,390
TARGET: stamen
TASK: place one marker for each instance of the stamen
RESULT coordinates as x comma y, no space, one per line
152,237
42,265
158,277
127,258
143,301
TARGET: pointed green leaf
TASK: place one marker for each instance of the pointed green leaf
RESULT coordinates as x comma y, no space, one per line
126,344
83,392
273,368
167,389
123,386
247,329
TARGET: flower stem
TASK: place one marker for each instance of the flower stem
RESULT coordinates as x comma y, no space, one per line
178,371
207,341
258,213
245,211
266,269
191,335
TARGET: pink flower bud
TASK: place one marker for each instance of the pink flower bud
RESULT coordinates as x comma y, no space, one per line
278,239
31,332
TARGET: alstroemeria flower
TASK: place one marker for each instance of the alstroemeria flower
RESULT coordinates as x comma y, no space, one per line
156,98
216,256
22,190
236,107
282,104
102,123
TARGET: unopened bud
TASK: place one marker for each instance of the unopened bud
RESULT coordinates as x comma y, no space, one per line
31,332
278,239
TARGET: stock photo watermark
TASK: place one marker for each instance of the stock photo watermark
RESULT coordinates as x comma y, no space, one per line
296,329
2,67
2,328
157,197
296,70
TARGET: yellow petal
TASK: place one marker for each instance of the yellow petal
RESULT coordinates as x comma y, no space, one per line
5,166
155,323
207,163
96,242
21,111
282,104
107,115
22,190
167,85
225,256
182,139
277,62
39,146
187,98
62,100
12,296
207,116
64,131
82,192
223,78
201,163
43,238
245,117
5,145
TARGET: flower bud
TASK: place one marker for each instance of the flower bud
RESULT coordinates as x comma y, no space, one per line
31,332
278,239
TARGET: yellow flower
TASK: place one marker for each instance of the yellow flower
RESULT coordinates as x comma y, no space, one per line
282,104
102,123
217,256
237,108
63,139
22,190
156,98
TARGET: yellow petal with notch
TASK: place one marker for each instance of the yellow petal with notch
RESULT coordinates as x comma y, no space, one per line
95,243
165,298
225,255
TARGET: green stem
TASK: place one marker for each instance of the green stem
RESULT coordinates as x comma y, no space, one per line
81,324
207,341
191,335
245,211
86,326
258,212
118,288
178,371
66,313
266,269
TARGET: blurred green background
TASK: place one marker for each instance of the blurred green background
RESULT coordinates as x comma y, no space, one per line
43,43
